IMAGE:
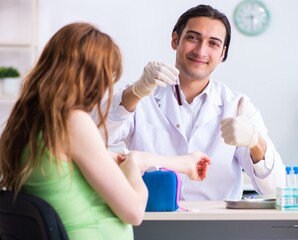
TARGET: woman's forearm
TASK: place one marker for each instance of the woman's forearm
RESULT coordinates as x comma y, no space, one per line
194,164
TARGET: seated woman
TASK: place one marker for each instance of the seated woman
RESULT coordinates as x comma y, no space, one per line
52,148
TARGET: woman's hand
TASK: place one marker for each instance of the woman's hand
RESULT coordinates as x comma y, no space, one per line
197,163
118,157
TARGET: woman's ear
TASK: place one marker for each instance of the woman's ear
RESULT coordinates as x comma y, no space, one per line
174,41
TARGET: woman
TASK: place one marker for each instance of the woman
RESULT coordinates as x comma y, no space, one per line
52,148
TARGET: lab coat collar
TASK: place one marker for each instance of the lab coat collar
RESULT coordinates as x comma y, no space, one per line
163,92
168,104
209,111
212,106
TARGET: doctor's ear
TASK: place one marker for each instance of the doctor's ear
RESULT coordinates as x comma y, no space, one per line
223,53
175,40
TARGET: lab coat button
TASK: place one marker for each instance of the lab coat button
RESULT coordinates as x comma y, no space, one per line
178,125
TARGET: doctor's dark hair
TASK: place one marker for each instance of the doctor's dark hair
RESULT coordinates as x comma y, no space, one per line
204,11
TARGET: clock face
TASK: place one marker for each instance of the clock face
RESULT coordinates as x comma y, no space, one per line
251,17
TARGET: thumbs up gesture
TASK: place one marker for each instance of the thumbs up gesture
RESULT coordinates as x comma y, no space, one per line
239,131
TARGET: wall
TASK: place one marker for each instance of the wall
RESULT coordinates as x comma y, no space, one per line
263,67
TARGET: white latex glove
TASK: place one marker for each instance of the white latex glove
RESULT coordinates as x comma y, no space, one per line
239,131
154,74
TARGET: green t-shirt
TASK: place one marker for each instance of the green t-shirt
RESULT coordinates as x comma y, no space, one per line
83,212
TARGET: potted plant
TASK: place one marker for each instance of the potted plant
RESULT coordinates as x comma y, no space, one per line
9,78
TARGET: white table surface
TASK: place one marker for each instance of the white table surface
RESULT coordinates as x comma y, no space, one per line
216,210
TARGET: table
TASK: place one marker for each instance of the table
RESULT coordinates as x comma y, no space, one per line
212,220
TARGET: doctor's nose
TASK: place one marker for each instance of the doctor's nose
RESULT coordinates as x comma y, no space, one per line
201,49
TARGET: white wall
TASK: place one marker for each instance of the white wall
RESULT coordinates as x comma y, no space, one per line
263,67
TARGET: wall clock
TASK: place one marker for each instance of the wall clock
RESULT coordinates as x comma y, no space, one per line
251,17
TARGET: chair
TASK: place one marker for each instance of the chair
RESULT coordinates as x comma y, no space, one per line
28,218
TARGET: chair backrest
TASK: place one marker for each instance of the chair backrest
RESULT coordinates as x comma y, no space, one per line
28,217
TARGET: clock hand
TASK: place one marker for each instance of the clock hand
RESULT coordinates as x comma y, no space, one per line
252,22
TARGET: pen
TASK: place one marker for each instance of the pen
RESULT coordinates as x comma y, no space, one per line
178,96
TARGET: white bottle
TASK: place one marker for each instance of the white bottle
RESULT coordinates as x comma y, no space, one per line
289,177
288,196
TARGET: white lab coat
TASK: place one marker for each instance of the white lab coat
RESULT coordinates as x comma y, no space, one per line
155,126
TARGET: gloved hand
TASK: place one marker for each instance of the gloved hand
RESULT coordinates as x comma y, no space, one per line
239,131
154,74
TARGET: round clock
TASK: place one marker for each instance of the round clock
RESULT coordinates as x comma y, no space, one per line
251,17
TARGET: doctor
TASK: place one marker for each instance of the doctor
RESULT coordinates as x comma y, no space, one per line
154,115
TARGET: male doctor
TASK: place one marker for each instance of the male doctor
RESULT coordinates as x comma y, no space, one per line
154,115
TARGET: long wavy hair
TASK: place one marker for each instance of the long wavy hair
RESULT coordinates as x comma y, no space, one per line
77,68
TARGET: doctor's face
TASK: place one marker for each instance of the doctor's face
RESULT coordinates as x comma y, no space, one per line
200,48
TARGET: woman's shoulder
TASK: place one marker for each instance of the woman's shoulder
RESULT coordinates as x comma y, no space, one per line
78,114
80,123
79,117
